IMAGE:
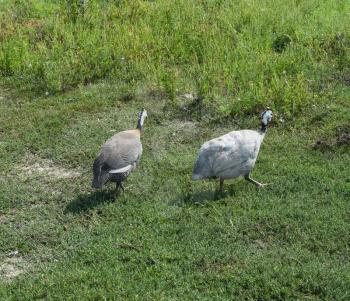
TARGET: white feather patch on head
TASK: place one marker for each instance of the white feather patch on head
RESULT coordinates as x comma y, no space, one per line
142,116
266,117
143,113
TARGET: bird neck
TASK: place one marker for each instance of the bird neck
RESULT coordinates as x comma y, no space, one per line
140,122
263,128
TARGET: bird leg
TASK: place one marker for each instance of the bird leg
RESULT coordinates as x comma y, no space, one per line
122,186
119,185
249,179
221,189
115,194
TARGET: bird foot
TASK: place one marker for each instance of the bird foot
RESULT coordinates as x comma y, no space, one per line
261,185
219,193
127,187
115,196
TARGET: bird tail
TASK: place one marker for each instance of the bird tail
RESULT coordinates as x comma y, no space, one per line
196,177
197,172
96,183
100,177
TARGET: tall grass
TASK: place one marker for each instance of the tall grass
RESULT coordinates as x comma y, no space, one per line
235,55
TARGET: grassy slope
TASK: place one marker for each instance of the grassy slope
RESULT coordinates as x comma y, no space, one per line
167,238
287,241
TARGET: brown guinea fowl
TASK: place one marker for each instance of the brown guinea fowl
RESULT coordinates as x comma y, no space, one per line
119,156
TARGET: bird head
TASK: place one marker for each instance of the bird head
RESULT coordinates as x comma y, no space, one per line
143,113
266,116
141,119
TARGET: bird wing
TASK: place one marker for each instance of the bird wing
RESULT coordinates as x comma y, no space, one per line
228,155
238,154
207,156
121,151
120,170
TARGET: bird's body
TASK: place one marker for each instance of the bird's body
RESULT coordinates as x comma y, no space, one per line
230,156
118,157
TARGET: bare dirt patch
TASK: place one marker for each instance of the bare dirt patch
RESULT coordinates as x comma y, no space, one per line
343,135
340,138
11,268
35,166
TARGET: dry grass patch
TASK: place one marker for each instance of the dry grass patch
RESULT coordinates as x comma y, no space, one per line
35,166
12,267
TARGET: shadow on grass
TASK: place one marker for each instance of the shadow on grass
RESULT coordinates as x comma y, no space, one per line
200,198
85,202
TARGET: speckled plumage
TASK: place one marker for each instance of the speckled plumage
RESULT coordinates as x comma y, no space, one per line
231,155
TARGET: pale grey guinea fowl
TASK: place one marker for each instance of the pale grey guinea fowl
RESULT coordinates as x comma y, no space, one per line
231,155
119,156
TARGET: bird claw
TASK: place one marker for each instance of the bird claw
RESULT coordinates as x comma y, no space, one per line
261,185
127,187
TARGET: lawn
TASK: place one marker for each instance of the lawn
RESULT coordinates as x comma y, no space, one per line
167,237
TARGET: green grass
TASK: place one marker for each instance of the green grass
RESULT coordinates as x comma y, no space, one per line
167,237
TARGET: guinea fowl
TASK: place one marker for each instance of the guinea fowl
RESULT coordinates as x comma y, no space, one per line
119,156
231,155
